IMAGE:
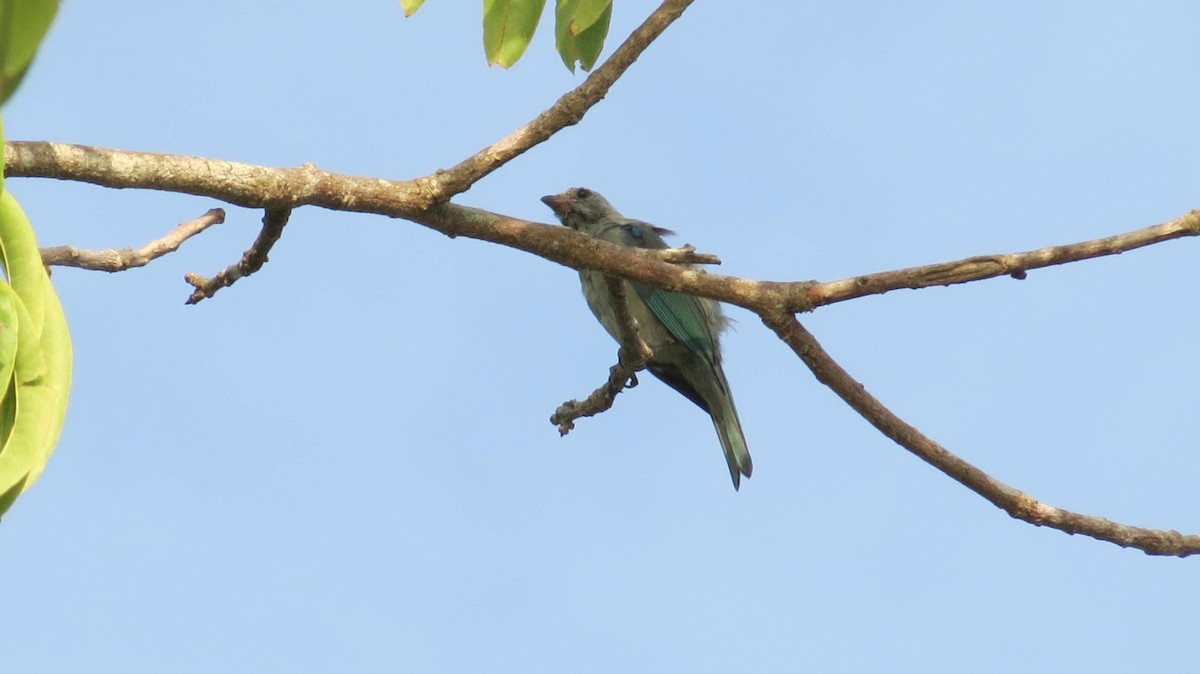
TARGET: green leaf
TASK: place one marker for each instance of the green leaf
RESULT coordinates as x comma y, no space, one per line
23,24
59,359
8,334
576,16
411,6
591,41
7,498
9,326
38,387
508,26
580,29
9,82
24,450
564,41
8,410
24,454
22,260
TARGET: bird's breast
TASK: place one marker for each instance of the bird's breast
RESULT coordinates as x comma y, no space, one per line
600,301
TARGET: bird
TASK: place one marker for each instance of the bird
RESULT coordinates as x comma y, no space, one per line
682,330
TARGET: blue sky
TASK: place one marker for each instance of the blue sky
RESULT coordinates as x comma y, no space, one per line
344,462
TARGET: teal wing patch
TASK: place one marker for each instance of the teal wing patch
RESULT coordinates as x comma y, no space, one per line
683,317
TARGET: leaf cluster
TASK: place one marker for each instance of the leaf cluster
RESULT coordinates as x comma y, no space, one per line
35,345
580,27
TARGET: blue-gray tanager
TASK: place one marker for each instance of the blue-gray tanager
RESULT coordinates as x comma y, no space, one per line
682,330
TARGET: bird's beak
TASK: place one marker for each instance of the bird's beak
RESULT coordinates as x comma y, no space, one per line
559,203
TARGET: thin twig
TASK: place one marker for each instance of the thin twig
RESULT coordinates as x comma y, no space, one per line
1013,501
1006,264
113,260
685,254
252,260
632,358
620,376
569,109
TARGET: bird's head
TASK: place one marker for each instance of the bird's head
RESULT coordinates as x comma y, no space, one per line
580,207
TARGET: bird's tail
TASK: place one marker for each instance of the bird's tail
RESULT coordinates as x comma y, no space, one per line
729,429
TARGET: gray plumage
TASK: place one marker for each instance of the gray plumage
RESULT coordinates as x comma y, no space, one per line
682,330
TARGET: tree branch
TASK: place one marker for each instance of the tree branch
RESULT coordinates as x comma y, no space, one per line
566,111
258,186
252,260
1010,264
235,183
113,260
631,359
1013,501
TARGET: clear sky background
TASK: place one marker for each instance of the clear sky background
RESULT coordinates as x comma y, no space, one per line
344,463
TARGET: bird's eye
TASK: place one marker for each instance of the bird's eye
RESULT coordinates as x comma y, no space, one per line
583,193
635,231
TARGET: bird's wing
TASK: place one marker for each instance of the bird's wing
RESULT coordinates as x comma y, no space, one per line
683,317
